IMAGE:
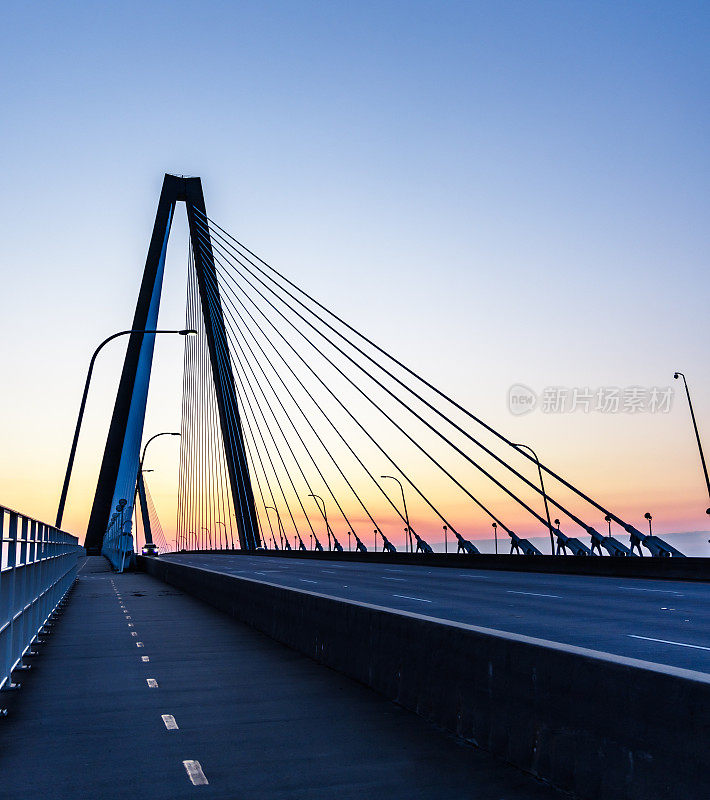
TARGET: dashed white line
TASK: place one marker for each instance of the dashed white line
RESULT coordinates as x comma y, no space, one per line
169,721
385,578
655,591
152,683
305,580
139,644
133,633
195,773
130,625
665,641
145,658
407,597
534,594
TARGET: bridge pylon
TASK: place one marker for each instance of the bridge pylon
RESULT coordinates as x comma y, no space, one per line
119,466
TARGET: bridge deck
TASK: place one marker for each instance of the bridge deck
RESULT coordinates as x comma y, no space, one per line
261,720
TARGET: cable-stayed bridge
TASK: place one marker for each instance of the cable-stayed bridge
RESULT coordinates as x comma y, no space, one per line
316,471
289,412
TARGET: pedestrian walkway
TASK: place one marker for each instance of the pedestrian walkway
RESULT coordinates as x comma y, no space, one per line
143,692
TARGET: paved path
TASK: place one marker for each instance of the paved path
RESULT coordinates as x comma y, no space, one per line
249,716
666,622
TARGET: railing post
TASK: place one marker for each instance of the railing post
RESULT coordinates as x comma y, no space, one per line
10,632
37,568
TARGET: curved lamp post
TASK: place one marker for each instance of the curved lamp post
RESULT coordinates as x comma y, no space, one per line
282,532
408,533
82,406
544,494
209,533
320,502
697,433
140,466
226,540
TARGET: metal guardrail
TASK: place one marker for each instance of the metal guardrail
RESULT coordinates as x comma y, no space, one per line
38,566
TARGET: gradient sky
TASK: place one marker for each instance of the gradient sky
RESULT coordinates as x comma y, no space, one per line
499,193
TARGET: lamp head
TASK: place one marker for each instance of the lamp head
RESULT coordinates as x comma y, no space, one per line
648,516
675,375
557,522
188,332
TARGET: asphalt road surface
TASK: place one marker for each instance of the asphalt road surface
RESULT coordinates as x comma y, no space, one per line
664,622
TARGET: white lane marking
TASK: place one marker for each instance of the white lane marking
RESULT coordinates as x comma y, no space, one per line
145,658
665,641
406,597
130,625
169,721
385,578
152,683
139,644
195,773
133,633
534,594
305,580
655,591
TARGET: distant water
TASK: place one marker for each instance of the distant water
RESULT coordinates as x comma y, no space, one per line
693,543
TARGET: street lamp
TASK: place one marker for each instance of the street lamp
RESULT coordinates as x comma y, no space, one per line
446,539
140,466
226,541
648,516
607,519
320,500
544,495
697,434
82,406
194,539
406,515
164,433
209,533
495,534
281,527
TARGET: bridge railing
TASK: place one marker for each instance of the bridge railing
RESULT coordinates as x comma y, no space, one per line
38,567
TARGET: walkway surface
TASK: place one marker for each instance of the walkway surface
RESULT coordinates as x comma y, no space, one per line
664,622
144,692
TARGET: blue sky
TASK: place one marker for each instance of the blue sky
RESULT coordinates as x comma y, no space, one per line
499,192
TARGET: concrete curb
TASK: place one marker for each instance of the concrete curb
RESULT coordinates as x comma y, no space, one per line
597,725
677,569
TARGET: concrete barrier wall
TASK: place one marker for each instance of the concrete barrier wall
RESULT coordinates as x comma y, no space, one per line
679,569
596,725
